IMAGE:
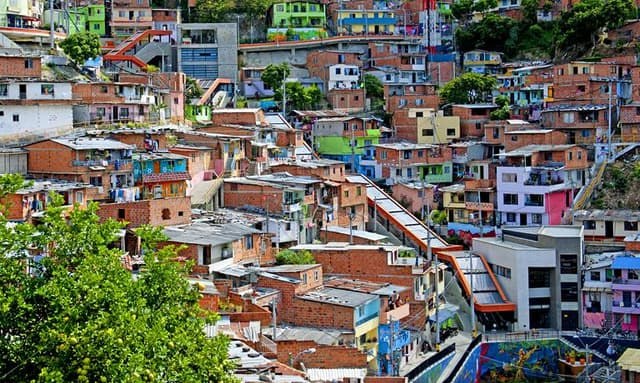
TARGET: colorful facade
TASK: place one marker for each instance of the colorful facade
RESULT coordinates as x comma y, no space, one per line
297,20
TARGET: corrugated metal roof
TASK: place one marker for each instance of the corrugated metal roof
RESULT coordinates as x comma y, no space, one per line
630,360
626,263
335,374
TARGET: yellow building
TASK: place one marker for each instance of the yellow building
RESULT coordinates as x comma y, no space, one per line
434,128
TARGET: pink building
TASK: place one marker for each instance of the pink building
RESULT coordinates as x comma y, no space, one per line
626,292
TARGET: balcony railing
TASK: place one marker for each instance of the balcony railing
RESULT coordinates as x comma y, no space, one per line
484,206
116,163
534,203
625,281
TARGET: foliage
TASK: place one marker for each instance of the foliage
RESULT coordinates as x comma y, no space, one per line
274,74
502,113
463,9
493,33
438,217
80,316
290,257
253,8
468,88
585,19
81,47
212,11
192,90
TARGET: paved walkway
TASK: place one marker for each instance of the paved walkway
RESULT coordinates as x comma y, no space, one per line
462,341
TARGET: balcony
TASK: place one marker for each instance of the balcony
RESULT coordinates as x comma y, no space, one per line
483,206
623,284
291,207
397,313
622,307
104,164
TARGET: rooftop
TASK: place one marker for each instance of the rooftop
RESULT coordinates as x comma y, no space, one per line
207,234
92,143
405,146
289,268
356,233
629,360
339,297
626,263
607,215
530,149
52,185
358,285
345,246
327,336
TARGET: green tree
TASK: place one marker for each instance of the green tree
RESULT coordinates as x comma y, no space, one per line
290,257
274,74
462,9
192,90
254,8
312,97
212,11
81,47
78,315
469,88
587,18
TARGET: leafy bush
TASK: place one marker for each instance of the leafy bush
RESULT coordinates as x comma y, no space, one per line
290,257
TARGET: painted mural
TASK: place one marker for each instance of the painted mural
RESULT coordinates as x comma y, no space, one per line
469,371
433,372
520,361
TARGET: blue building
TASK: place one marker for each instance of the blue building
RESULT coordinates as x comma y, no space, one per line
389,357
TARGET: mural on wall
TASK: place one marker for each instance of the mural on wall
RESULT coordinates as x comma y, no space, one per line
521,361
469,371
433,372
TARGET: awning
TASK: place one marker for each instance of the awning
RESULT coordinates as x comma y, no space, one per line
443,315
203,192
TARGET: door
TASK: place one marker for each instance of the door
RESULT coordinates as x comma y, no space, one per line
608,229
23,91
523,219
115,113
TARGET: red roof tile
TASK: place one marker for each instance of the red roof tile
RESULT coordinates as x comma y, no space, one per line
166,177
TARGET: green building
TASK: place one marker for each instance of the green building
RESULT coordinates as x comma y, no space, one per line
91,18
297,20
96,19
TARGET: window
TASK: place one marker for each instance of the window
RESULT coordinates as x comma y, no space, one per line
346,194
383,155
511,217
568,263
502,271
594,276
510,177
420,153
630,226
166,214
570,156
581,88
16,118
95,181
248,242
46,89
79,197
579,152
534,200
568,117
510,199
451,132
1,113
28,63
514,138
96,27
427,132
536,219
359,191
121,214
419,114
4,90
304,278
569,291
316,275
539,278
589,225
338,70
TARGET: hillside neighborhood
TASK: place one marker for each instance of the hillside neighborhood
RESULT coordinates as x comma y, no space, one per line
356,191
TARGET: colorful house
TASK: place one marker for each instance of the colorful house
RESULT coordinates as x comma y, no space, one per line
297,20
366,21
344,138
626,292
537,183
160,175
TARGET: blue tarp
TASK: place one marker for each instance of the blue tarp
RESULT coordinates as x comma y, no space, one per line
626,263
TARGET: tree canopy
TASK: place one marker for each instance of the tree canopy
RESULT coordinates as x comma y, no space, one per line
290,257
586,18
81,47
274,74
212,11
469,88
300,97
77,314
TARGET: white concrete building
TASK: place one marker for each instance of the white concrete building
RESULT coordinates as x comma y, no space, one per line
539,269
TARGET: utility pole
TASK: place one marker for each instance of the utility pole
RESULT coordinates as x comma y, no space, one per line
353,148
351,228
52,29
436,266
375,214
391,343
480,215
609,153
273,317
473,306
